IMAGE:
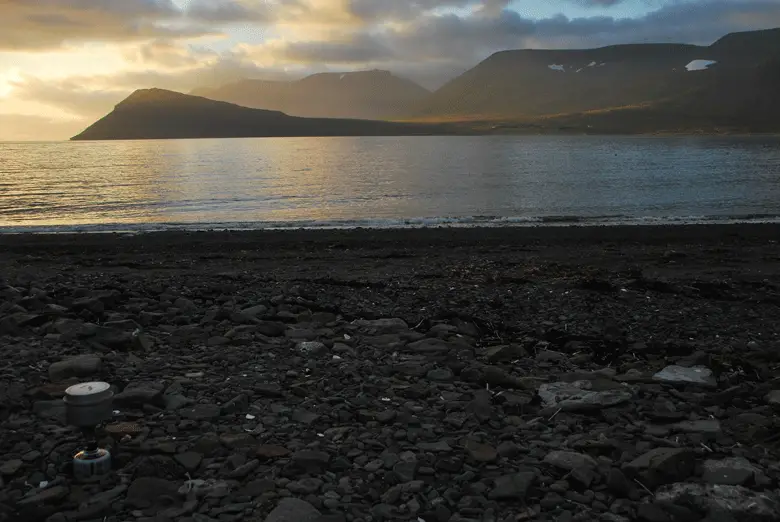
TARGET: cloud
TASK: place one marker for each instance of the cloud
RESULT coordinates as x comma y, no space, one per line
429,41
597,3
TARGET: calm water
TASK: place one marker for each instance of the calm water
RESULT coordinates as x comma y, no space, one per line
387,181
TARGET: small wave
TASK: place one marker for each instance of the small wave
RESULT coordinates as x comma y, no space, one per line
394,223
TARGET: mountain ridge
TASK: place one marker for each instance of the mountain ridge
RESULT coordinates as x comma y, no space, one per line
163,114
374,94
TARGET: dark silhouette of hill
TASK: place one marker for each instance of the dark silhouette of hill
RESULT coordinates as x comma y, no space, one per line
162,114
364,95
633,88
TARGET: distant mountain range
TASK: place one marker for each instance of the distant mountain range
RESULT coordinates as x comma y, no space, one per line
368,95
730,86
161,114
642,88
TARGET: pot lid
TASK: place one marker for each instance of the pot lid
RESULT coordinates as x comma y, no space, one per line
88,393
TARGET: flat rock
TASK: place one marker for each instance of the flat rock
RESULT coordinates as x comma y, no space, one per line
695,375
201,412
735,471
311,461
740,502
47,496
481,452
706,426
146,491
578,396
569,460
662,466
504,353
441,446
140,393
81,367
381,326
512,487
773,398
430,346
440,375
10,467
189,460
50,410
293,510
312,348
270,328
270,451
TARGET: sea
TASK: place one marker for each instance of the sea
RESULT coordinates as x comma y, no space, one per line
387,182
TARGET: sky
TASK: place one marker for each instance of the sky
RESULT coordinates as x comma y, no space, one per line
66,63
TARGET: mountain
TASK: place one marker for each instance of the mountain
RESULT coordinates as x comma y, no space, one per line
162,114
364,95
652,86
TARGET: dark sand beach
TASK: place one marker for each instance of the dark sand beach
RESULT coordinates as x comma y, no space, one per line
432,374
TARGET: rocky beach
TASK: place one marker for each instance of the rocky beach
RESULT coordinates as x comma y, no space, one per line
433,375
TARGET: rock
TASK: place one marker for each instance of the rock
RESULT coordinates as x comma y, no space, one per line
773,398
311,461
312,349
504,353
550,356
381,326
512,487
569,461
268,451
305,417
254,311
481,452
114,339
652,513
508,450
50,410
147,491
441,446
306,486
293,510
706,427
140,393
81,367
440,375
201,412
270,328
189,460
618,483
696,375
237,440
175,401
735,471
740,502
406,470
578,396
46,496
430,346
268,389
662,466
10,467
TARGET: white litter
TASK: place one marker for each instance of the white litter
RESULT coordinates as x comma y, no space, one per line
249,416
700,65
555,67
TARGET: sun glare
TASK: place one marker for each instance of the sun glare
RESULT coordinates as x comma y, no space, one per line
7,80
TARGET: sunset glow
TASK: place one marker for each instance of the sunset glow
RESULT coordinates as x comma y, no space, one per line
65,63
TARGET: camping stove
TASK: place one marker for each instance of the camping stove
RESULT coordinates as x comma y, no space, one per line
88,405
